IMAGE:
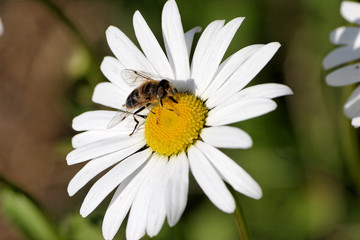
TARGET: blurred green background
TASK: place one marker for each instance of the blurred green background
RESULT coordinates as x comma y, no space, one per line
305,154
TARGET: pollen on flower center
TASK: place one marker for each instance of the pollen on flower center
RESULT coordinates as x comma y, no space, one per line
169,132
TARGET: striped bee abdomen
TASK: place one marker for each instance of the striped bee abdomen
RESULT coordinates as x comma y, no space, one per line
133,99
149,89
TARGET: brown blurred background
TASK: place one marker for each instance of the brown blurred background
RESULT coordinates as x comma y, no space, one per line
35,52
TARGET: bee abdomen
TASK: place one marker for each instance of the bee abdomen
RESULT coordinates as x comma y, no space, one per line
149,89
132,99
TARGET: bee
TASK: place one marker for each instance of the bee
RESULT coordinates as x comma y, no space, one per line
147,92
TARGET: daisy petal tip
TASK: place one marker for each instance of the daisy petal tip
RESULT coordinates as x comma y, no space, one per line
240,19
355,122
287,91
329,60
111,29
137,16
105,61
230,209
197,29
96,93
257,197
259,194
69,163
69,159
84,211
70,190
329,81
272,106
249,144
171,222
350,11
256,192
107,234
275,45
170,3
76,122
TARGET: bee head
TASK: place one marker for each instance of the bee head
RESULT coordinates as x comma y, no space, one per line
163,88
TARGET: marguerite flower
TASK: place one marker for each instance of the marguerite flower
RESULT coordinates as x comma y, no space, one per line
348,53
151,167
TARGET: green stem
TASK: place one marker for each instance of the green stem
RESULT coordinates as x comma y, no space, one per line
94,68
350,146
240,219
16,189
61,15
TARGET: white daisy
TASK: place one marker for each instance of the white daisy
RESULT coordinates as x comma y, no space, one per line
151,168
348,53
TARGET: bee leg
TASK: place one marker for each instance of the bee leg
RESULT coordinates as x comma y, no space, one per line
137,122
173,99
147,107
172,110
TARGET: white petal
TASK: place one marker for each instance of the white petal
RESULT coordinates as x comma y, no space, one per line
97,165
177,187
102,147
228,67
340,56
174,39
189,37
109,95
239,111
120,204
356,121
93,120
112,69
344,76
266,90
111,180
351,11
226,137
245,73
209,34
126,51
346,36
138,215
210,181
204,69
87,137
157,208
231,172
1,27
122,201
100,119
151,47
352,105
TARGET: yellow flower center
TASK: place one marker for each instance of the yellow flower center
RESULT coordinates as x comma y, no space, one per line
175,126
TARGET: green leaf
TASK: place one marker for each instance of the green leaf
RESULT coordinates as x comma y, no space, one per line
78,228
25,215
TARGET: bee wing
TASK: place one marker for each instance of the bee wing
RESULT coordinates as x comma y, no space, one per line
119,116
134,78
